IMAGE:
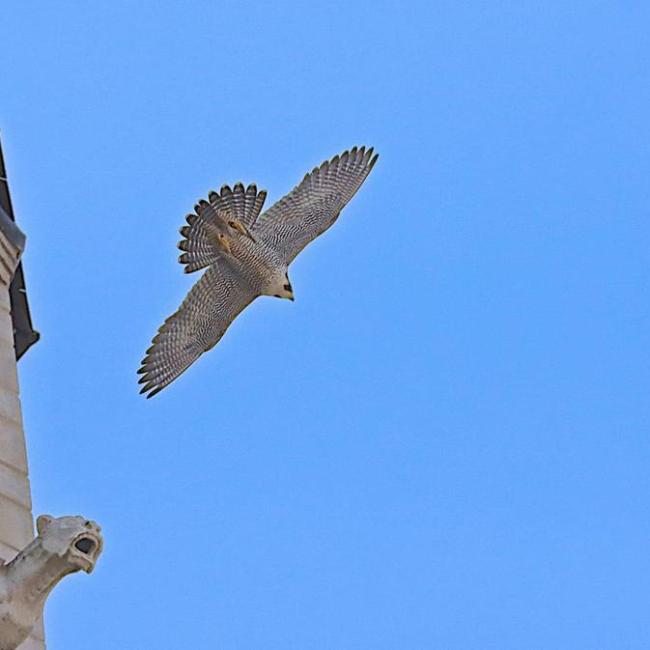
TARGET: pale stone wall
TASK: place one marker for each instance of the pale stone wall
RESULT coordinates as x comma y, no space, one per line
16,521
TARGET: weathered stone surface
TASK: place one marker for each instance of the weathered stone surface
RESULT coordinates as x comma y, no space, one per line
32,643
36,640
15,523
38,632
62,546
6,324
8,372
5,302
16,527
10,405
15,485
7,552
9,257
12,444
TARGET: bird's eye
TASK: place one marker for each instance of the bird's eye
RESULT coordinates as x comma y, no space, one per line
287,287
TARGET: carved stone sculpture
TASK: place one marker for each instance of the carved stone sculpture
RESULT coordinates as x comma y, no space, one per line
64,545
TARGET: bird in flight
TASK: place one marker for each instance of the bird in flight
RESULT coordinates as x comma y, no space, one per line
247,255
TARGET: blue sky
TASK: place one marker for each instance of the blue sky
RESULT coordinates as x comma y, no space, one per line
444,442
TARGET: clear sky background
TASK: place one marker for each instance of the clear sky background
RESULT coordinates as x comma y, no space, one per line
444,442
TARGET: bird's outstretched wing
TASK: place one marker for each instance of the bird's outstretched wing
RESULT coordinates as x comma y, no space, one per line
201,320
314,205
199,236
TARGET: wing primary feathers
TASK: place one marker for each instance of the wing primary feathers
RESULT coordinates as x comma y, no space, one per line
315,203
211,305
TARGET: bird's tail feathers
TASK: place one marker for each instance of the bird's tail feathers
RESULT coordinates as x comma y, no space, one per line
237,203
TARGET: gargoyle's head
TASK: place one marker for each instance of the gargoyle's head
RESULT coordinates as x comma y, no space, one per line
77,540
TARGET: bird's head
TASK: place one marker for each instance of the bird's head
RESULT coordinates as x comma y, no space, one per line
283,289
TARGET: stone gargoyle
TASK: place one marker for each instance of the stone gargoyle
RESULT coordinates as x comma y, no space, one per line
63,545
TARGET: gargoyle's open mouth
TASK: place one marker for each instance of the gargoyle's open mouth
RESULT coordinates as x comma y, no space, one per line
86,545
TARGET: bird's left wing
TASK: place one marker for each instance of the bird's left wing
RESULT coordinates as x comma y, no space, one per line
315,204
200,322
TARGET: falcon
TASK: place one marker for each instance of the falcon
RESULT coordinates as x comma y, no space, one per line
247,255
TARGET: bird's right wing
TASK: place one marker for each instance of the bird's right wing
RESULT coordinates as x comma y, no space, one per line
314,205
200,322
199,236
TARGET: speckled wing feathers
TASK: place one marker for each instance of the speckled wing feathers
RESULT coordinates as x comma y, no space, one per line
228,286
200,322
199,236
315,204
